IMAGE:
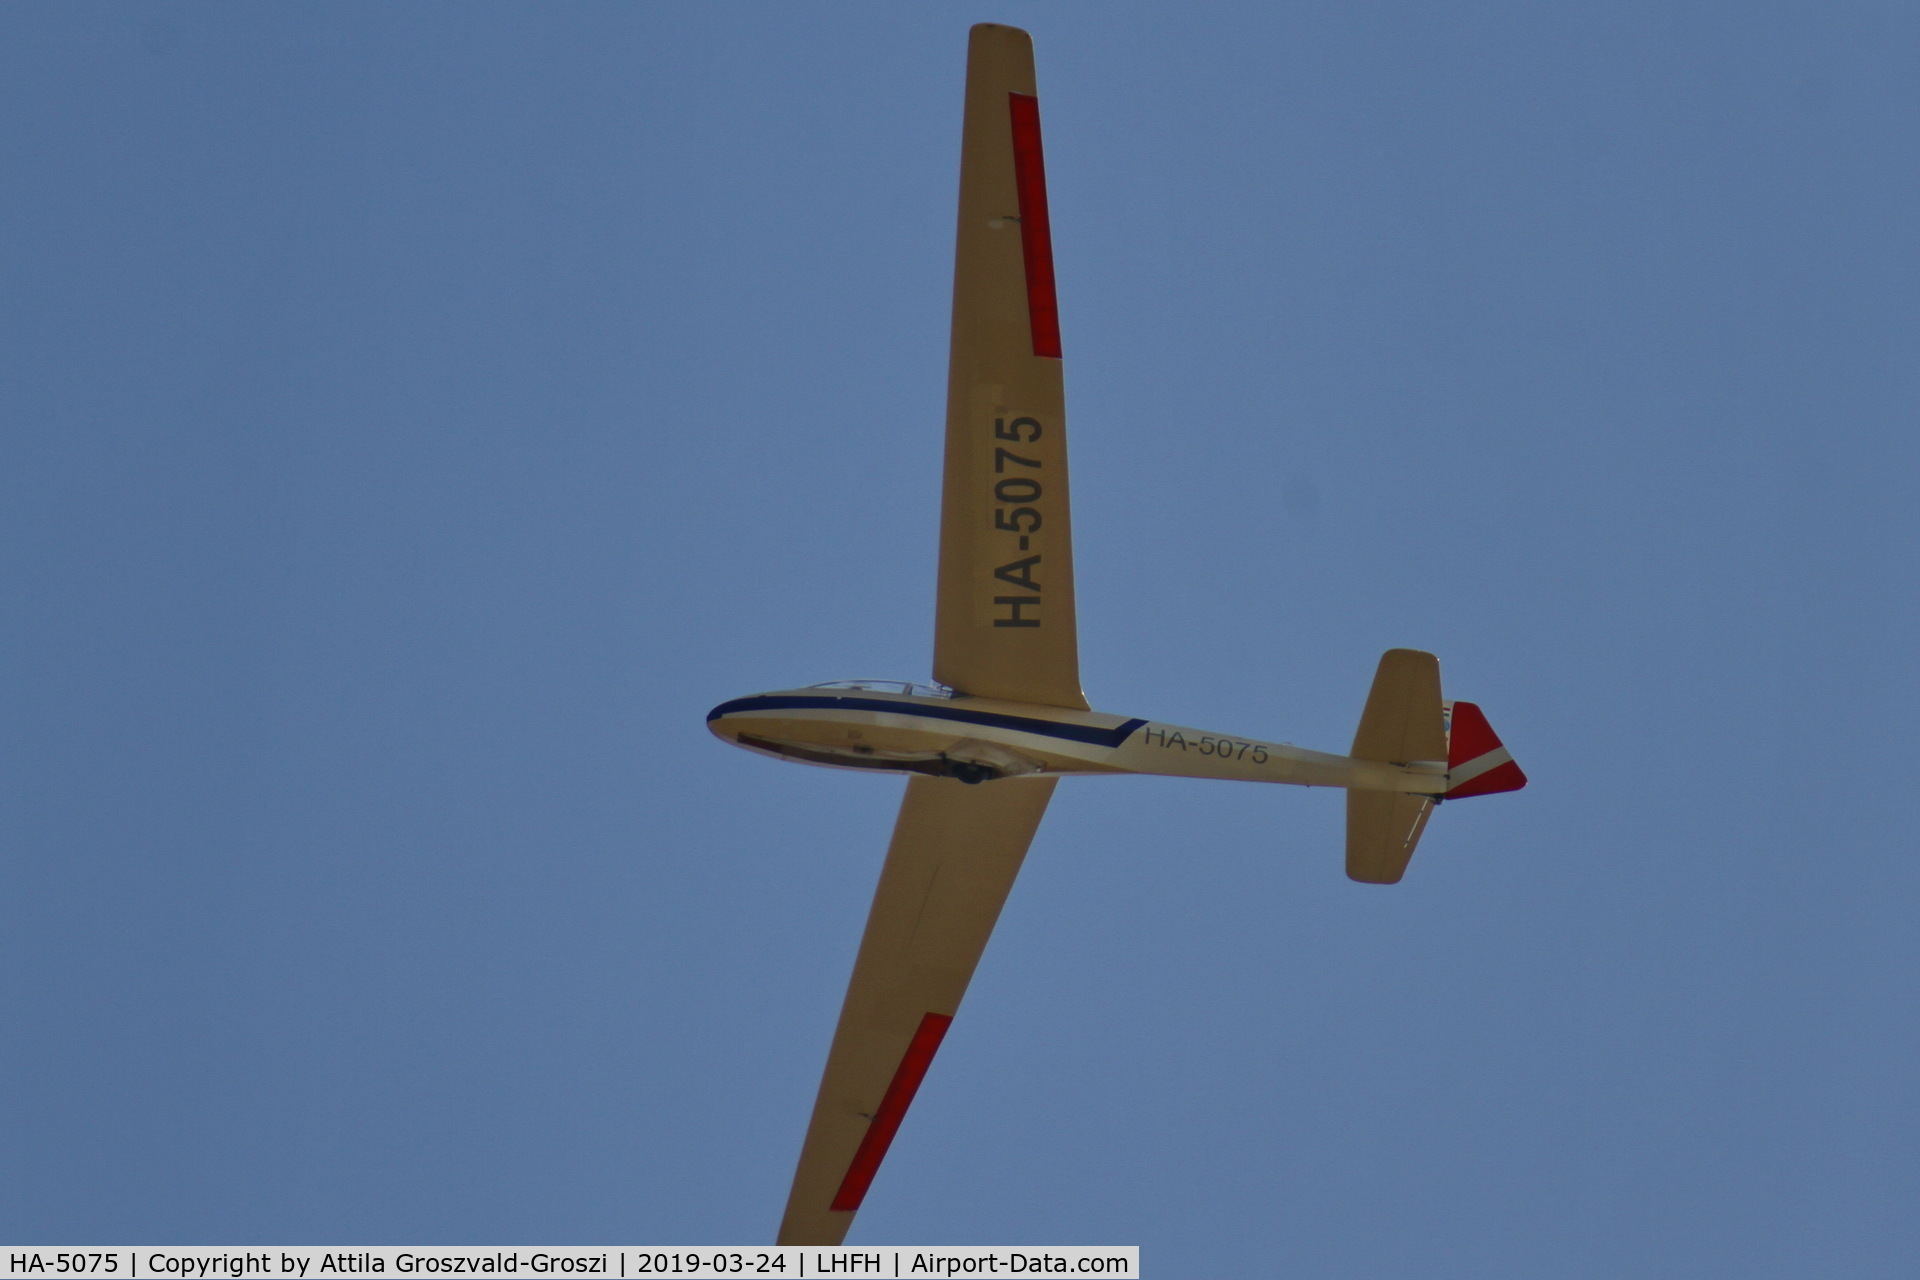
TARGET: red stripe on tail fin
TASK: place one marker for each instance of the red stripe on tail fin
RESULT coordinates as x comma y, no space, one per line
1036,236
893,1109
1477,763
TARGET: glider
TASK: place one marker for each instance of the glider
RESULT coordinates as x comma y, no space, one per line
1007,719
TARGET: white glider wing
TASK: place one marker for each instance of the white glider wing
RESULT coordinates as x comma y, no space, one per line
1005,630
955,852
1005,625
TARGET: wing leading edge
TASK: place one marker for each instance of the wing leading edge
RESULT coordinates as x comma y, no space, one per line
1005,624
956,850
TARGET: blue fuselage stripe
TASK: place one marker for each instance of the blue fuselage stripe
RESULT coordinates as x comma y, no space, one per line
1023,724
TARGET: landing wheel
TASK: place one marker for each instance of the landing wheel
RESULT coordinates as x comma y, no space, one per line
970,773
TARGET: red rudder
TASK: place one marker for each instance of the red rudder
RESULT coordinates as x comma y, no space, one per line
1477,765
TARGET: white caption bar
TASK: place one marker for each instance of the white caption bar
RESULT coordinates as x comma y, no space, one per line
778,1262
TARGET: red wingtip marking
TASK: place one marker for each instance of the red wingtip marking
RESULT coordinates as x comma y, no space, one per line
893,1109
1036,236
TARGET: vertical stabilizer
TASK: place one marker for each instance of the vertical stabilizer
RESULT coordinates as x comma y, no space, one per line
1478,764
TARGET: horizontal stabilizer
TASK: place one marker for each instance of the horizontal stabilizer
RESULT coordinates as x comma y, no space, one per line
1403,722
1382,828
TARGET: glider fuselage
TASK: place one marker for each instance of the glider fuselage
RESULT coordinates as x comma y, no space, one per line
855,725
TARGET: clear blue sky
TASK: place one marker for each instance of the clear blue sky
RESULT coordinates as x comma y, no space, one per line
416,416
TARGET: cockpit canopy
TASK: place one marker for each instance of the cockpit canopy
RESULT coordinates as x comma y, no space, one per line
910,687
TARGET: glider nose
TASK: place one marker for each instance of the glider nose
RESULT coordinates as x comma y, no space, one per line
721,720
